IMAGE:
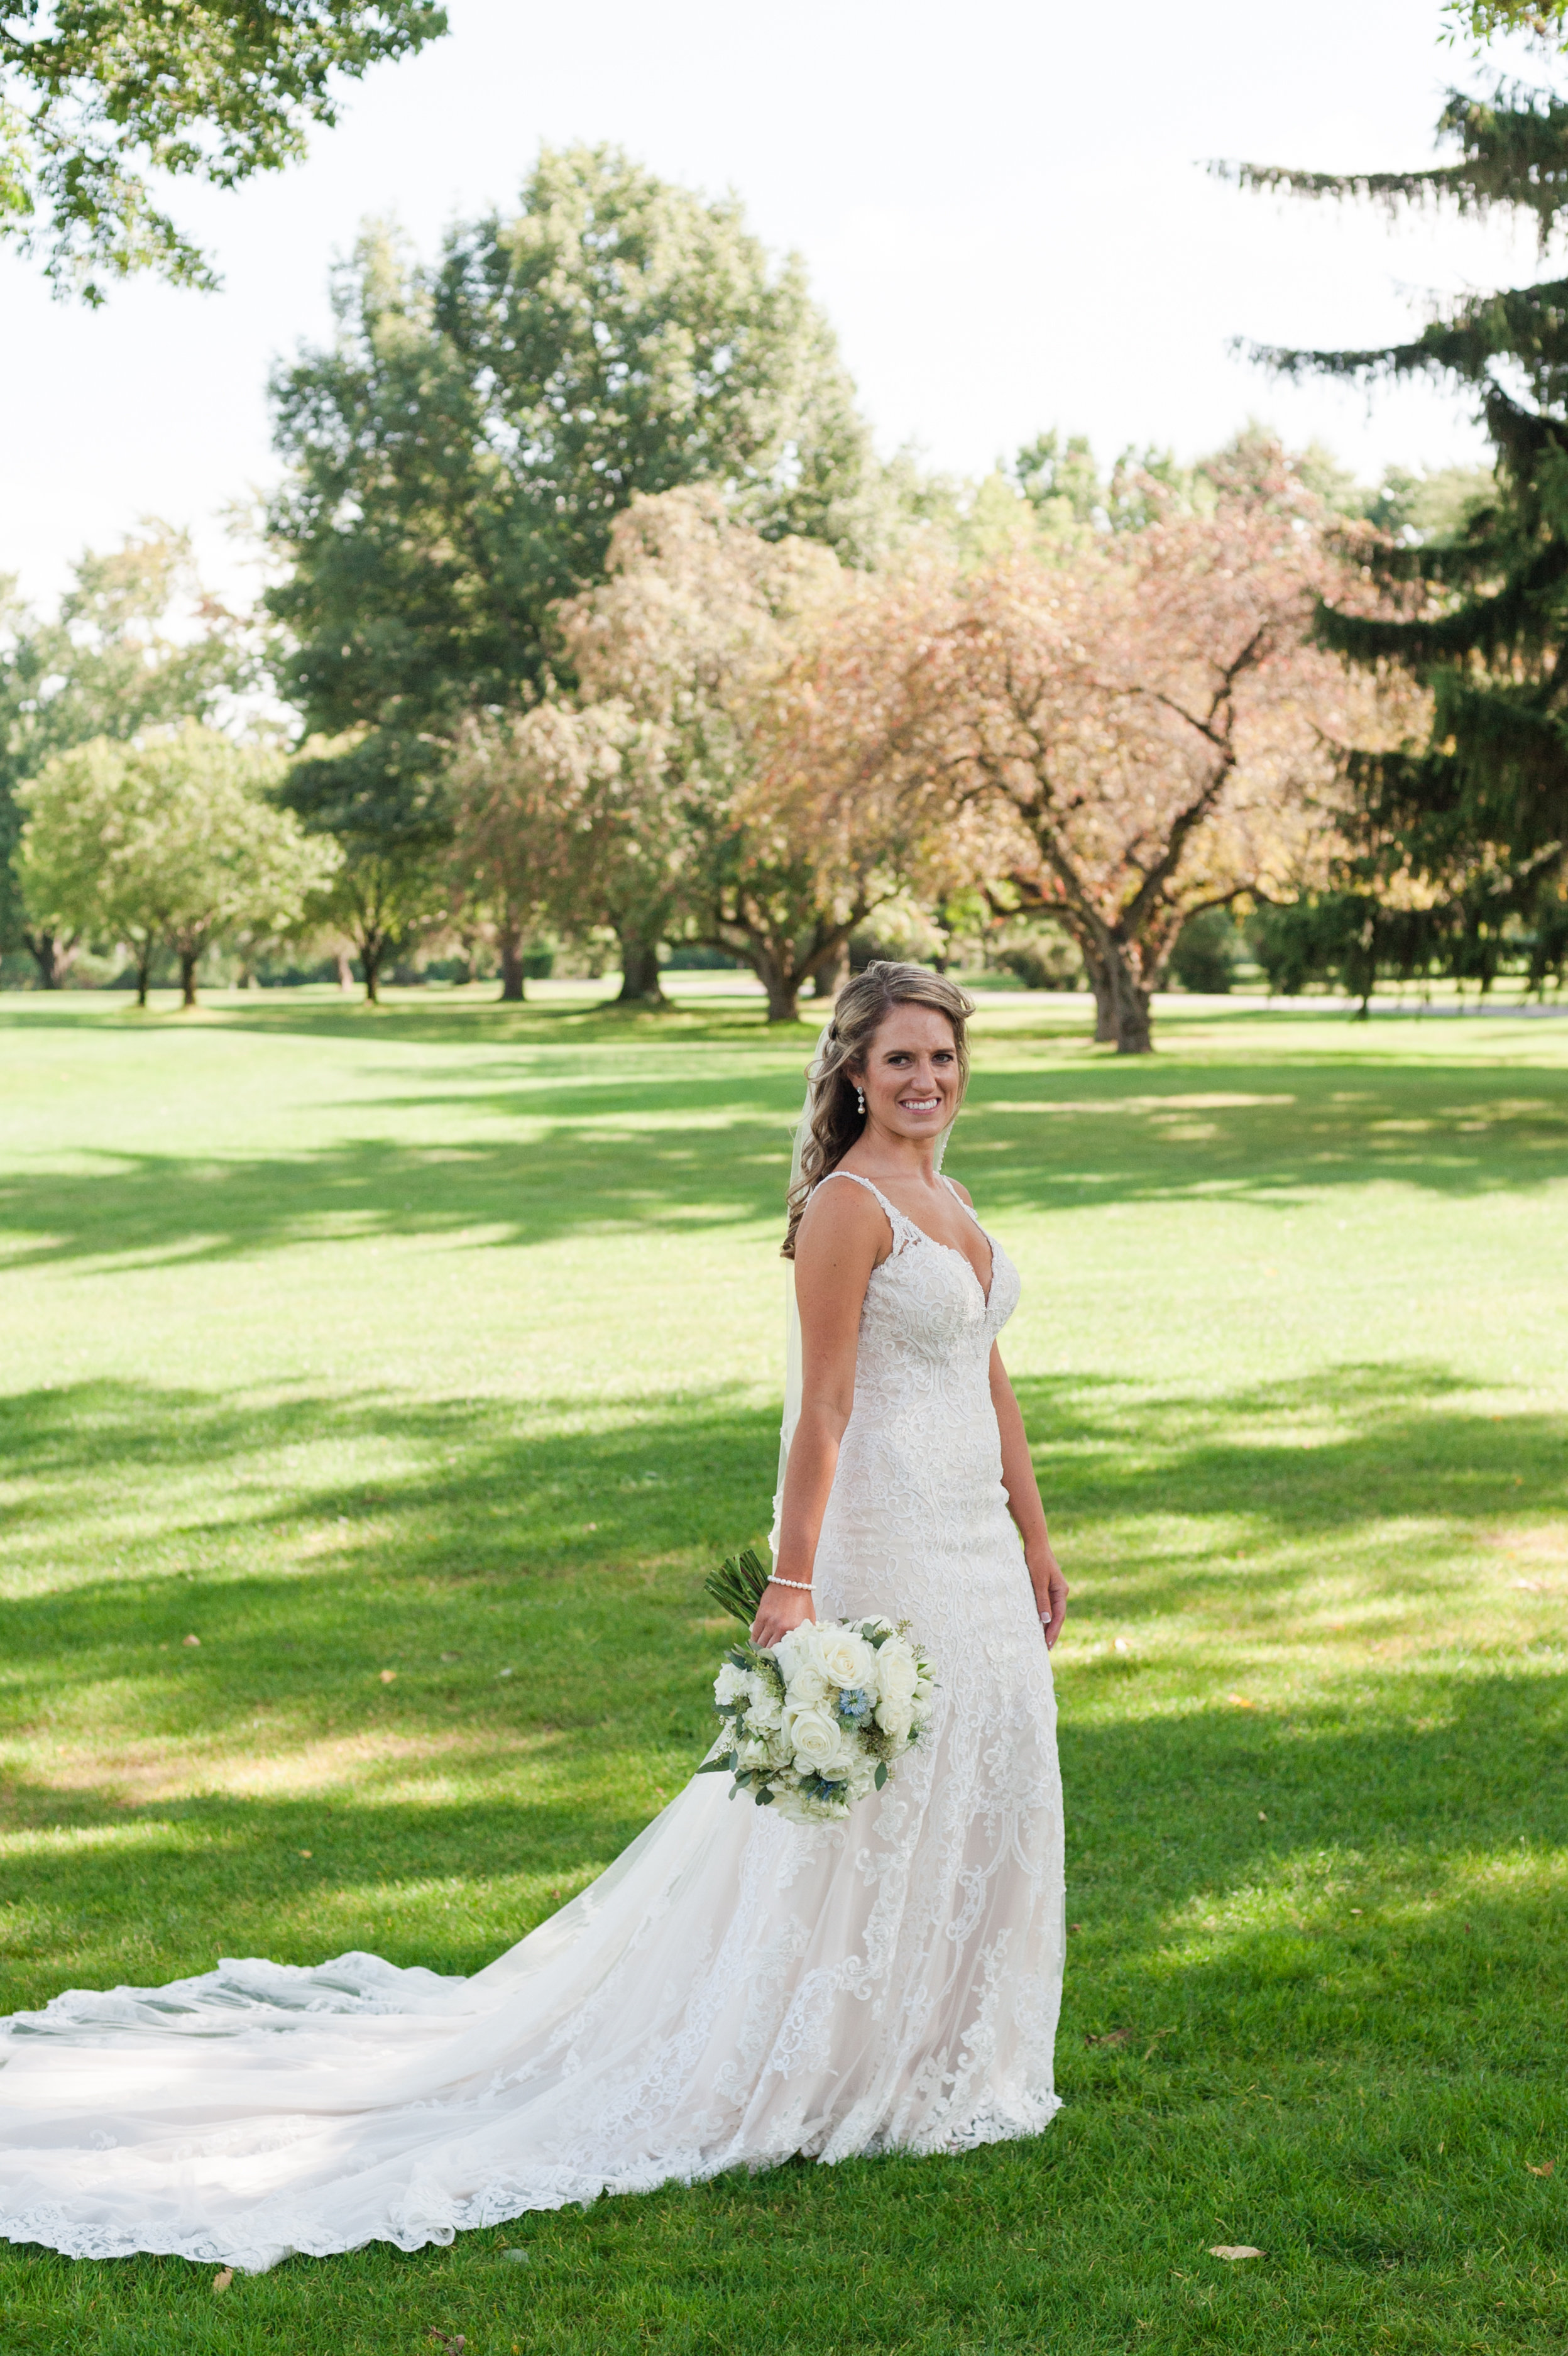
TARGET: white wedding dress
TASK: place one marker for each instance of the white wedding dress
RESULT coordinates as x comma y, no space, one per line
733,1990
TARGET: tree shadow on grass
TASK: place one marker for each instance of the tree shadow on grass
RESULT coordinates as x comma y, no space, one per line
1217,1936
494,1490
554,1553
621,1161
426,1023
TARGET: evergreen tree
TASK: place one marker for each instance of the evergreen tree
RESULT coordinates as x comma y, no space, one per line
1478,815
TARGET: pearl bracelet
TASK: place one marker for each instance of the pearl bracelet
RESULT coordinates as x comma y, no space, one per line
803,1584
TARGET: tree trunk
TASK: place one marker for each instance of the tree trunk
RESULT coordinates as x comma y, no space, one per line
53,957
639,983
344,969
1121,1002
1132,1033
831,979
187,963
782,994
512,990
370,959
143,970
1104,989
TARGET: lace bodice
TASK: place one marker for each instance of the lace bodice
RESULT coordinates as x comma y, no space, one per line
733,1991
922,1458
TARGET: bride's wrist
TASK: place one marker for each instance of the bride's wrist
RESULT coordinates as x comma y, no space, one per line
1042,1566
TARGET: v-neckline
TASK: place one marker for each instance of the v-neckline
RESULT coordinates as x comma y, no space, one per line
985,1286
985,1289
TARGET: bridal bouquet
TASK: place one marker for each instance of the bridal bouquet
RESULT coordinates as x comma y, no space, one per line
814,1723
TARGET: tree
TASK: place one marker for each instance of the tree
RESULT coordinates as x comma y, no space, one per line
1134,736
137,643
381,894
1477,613
1160,732
96,93
520,787
668,651
457,457
712,647
164,844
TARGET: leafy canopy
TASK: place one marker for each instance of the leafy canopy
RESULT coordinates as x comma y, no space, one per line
1483,20
137,642
97,94
163,843
458,456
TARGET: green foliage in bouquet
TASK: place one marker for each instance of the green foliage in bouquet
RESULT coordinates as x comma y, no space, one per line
738,1584
749,1659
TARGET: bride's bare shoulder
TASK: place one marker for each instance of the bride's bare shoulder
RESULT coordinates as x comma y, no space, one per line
840,1217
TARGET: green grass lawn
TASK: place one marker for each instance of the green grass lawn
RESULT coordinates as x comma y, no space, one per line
420,1363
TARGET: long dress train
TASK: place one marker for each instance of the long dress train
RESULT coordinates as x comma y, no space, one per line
733,1991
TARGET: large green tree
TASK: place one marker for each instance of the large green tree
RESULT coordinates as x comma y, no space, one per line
137,642
458,455
1477,814
96,95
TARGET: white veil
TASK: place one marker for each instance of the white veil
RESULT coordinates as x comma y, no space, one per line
792,1360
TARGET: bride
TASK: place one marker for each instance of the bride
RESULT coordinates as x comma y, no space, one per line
735,1989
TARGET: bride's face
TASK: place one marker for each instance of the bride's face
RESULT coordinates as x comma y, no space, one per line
911,1074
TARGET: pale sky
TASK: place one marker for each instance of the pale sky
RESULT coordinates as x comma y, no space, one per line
1002,208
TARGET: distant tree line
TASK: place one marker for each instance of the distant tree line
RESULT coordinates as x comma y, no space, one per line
601,620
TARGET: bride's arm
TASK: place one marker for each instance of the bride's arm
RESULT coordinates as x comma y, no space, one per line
839,1242
1024,1503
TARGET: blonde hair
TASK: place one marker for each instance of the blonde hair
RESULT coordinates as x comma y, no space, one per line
862,1007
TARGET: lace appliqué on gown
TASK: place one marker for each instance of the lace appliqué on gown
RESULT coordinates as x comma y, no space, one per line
733,1991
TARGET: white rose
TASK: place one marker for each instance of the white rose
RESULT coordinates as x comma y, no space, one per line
895,1720
807,1688
763,1709
815,1738
800,1649
896,1674
847,1659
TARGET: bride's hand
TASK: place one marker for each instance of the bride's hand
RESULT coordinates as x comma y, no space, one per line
1051,1593
782,1609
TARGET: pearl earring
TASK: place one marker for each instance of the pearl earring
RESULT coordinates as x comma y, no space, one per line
860,1102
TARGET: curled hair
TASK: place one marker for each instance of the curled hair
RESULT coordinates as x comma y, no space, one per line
862,1007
